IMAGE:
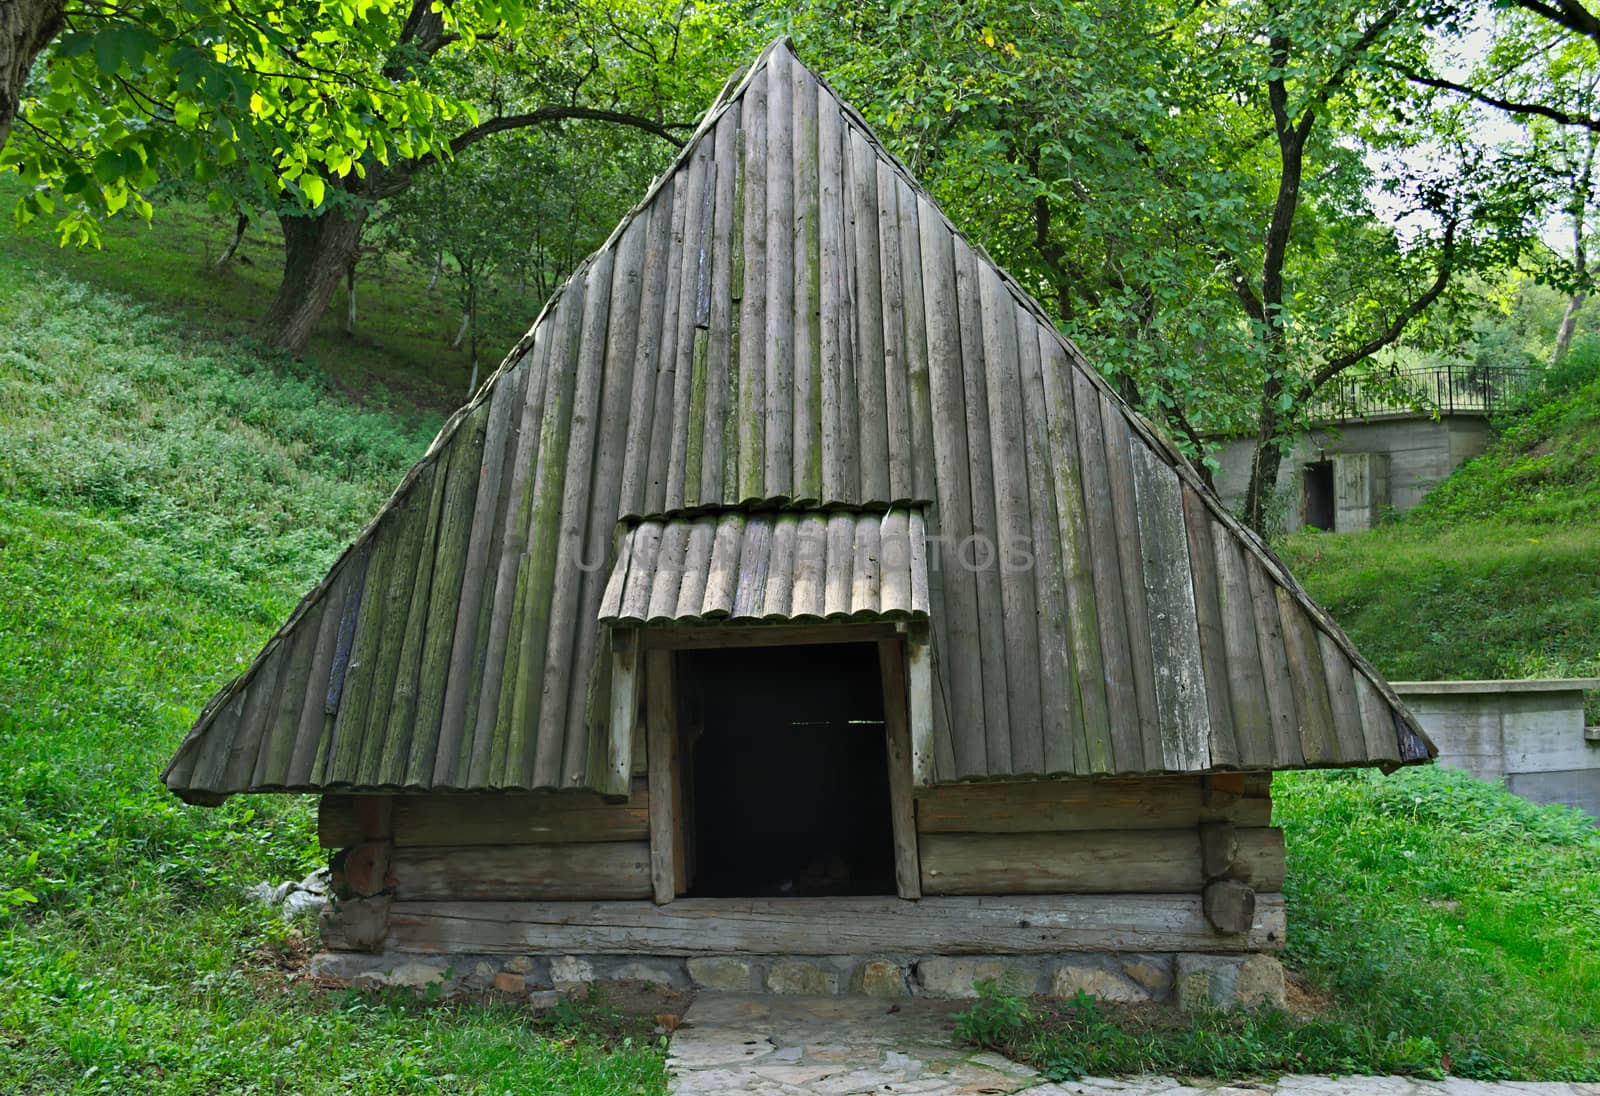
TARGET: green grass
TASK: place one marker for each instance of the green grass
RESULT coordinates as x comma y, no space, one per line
399,359
164,500
1456,927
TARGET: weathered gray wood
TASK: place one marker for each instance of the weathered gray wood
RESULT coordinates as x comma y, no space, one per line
313,714
667,582
278,737
649,350
665,427
1337,670
755,556
1059,712
1310,685
1213,644
661,715
497,818
775,602
1274,666
1015,563
345,820
1172,618
465,448
626,687
1126,519
829,926
868,316
357,924
839,573
1377,726
897,730
1092,745
515,645
1219,848
920,701
1087,861
696,567
952,518
918,397
722,575
544,678
866,579
1165,802
410,536
590,756
532,873
469,468
837,482
711,636
1252,715
343,752
1122,703
894,563
982,553
1230,906
750,430
897,403
807,400
489,578
692,180
715,390
778,346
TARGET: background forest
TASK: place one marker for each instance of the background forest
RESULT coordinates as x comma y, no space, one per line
261,250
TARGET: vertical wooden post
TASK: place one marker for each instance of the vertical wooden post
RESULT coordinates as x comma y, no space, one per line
661,729
919,688
902,809
625,670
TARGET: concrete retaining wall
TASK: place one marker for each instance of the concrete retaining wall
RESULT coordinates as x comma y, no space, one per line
1415,455
1529,733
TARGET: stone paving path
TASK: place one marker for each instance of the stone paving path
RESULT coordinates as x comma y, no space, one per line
760,1045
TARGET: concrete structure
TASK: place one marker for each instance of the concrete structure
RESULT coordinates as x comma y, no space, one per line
1341,477
1530,733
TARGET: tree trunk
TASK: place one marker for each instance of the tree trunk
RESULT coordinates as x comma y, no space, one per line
1569,323
317,251
350,298
239,228
26,27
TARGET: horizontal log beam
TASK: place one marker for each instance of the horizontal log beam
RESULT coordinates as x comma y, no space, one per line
829,926
1089,862
612,870
519,819
1111,804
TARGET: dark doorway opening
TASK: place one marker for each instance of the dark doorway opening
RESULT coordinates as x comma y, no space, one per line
1319,495
789,775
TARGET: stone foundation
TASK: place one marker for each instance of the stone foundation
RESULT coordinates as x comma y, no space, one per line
1185,979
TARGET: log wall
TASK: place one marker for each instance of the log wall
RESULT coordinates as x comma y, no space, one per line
513,847
1164,863
1122,836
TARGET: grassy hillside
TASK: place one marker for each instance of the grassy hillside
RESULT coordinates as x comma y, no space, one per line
399,358
164,500
1497,574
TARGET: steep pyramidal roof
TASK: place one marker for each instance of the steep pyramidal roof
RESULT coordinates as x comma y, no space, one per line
788,325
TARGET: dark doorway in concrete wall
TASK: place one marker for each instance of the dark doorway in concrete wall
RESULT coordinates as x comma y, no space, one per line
1319,495
788,782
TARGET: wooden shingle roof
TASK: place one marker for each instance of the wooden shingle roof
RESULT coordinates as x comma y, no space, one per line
787,323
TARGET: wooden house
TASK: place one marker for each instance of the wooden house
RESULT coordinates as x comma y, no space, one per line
796,608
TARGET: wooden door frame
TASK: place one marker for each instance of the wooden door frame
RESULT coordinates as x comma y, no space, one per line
899,658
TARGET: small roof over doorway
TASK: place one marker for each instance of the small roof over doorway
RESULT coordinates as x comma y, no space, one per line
771,567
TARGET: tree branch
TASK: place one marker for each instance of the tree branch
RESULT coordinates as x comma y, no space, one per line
1567,13
1338,364
1509,106
399,177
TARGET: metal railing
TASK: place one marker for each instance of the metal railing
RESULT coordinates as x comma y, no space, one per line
1445,389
